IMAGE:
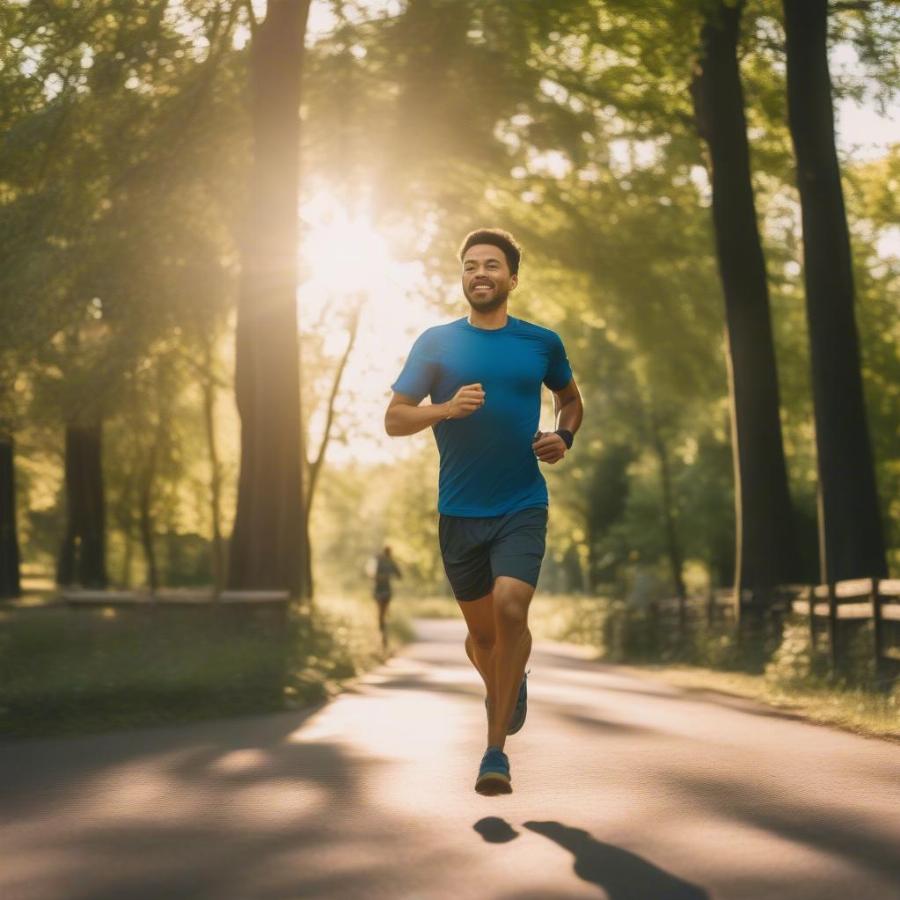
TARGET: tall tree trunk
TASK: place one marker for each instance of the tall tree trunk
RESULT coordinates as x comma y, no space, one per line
673,546
268,546
127,556
146,525
850,528
313,469
607,497
10,585
82,558
209,419
763,508
123,513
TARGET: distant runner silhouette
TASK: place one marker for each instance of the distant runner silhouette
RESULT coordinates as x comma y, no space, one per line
385,569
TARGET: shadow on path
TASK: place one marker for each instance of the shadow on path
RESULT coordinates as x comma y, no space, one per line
812,821
623,875
221,809
495,830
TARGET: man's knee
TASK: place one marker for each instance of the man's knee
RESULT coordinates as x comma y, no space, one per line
512,614
483,640
511,600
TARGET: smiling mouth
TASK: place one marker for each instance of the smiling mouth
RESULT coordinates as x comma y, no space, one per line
483,287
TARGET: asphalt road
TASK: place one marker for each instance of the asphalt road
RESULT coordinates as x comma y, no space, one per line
624,788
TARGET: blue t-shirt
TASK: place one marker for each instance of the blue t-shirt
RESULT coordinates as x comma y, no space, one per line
487,465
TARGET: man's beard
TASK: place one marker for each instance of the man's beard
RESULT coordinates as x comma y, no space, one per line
487,306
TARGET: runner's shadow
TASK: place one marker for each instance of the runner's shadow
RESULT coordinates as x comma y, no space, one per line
495,830
622,875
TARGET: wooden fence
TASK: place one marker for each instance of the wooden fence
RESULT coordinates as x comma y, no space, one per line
169,597
266,606
830,608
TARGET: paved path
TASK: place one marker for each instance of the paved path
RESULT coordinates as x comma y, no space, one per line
625,788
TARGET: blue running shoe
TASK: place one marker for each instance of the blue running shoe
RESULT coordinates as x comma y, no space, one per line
521,710
493,775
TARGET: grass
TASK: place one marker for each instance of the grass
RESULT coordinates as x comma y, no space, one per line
76,671
852,709
409,607
67,672
788,679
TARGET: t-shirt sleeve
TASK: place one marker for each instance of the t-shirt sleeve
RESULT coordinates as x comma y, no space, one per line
416,379
559,372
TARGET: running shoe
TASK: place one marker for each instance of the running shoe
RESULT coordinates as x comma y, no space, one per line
521,710
493,775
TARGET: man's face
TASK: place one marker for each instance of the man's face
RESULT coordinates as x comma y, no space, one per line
486,280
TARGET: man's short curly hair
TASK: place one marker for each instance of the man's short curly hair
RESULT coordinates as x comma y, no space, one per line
497,237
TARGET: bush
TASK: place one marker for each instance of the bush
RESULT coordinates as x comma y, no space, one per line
67,671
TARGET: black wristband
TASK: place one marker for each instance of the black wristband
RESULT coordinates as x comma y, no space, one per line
567,437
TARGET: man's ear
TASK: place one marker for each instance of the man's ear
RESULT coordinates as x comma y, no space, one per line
513,282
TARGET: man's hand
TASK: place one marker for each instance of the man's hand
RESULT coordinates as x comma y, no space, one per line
468,399
548,447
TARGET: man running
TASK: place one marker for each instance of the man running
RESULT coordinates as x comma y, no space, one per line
484,374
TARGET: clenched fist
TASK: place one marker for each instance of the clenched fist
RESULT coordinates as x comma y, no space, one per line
548,447
467,399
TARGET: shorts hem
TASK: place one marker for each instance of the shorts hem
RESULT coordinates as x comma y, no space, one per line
517,576
493,515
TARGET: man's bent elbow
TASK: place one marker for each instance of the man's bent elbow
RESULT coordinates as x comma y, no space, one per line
391,426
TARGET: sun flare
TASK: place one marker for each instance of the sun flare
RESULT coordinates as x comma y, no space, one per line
346,261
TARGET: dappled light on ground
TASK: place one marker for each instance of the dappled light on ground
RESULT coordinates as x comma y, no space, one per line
623,786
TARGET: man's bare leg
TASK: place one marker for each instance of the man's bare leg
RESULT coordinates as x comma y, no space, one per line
479,616
382,623
510,653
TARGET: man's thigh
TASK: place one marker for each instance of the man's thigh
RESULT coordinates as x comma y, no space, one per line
479,616
465,552
517,548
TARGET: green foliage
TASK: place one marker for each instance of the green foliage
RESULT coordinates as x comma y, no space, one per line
76,671
794,663
122,182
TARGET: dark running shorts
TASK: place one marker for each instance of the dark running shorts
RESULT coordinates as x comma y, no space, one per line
477,550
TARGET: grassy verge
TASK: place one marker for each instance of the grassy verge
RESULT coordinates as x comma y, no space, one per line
853,709
65,672
426,607
788,677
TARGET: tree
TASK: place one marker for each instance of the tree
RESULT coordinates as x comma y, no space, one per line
765,554
82,557
313,467
9,539
268,549
851,539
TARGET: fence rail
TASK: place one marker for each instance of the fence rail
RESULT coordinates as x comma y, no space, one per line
143,598
169,597
837,604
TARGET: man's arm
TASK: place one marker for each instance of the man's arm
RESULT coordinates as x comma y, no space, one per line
404,416
568,407
568,410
